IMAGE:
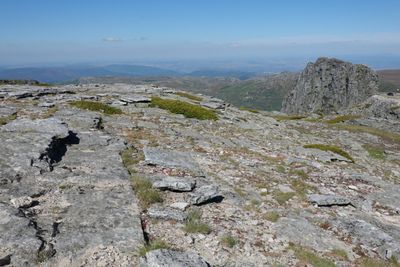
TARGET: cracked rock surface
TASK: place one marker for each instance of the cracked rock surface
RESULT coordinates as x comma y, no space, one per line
238,191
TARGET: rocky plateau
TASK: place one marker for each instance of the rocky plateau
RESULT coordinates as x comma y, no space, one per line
141,186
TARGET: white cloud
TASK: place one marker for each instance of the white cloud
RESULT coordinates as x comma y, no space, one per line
112,39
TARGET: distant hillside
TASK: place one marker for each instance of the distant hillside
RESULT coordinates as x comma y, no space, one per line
389,80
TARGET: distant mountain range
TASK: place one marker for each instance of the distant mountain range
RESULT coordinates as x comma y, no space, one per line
71,73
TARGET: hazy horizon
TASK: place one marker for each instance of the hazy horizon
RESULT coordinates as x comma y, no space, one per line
292,33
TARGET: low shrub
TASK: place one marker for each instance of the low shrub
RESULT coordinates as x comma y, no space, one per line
228,241
96,106
184,108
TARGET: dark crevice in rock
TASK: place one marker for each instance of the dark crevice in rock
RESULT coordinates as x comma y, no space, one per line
143,223
46,250
55,229
5,260
217,199
55,152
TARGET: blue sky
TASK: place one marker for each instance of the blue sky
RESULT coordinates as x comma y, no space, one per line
74,31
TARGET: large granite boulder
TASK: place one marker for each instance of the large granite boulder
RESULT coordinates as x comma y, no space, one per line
329,85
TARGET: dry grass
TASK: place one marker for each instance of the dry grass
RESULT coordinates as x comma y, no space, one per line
189,96
289,117
342,118
7,119
334,149
370,130
195,225
96,106
144,191
153,245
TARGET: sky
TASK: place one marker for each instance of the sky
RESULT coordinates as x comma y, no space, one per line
74,31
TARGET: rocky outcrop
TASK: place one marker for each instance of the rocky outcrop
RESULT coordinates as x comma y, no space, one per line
329,85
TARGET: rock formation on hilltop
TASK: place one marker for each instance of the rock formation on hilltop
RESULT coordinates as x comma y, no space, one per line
329,85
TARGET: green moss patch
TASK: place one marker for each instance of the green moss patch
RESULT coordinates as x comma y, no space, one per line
334,149
375,151
96,106
184,108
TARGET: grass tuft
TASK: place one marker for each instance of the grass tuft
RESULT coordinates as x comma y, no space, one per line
228,241
370,262
282,197
96,106
7,119
189,96
310,257
272,216
289,117
375,151
370,130
342,118
144,191
334,149
194,224
153,245
184,108
249,110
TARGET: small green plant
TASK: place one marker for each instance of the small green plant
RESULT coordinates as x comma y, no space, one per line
334,149
310,257
194,224
272,216
340,254
375,151
144,191
370,130
282,197
228,241
301,187
249,110
189,96
7,119
130,157
184,108
96,106
153,245
50,112
342,118
239,191
280,169
288,117
300,173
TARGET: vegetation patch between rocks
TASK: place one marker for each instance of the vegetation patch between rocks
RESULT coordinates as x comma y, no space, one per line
272,216
195,225
228,241
249,109
96,106
189,96
309,257
145,192
334,149
7,119
370,130
184,108
153,245
289,117
375,151
342,118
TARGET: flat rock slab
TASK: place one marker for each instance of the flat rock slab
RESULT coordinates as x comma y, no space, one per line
166,213
136,99
171,258
204,194
213,105
168,158
328,200
175,184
